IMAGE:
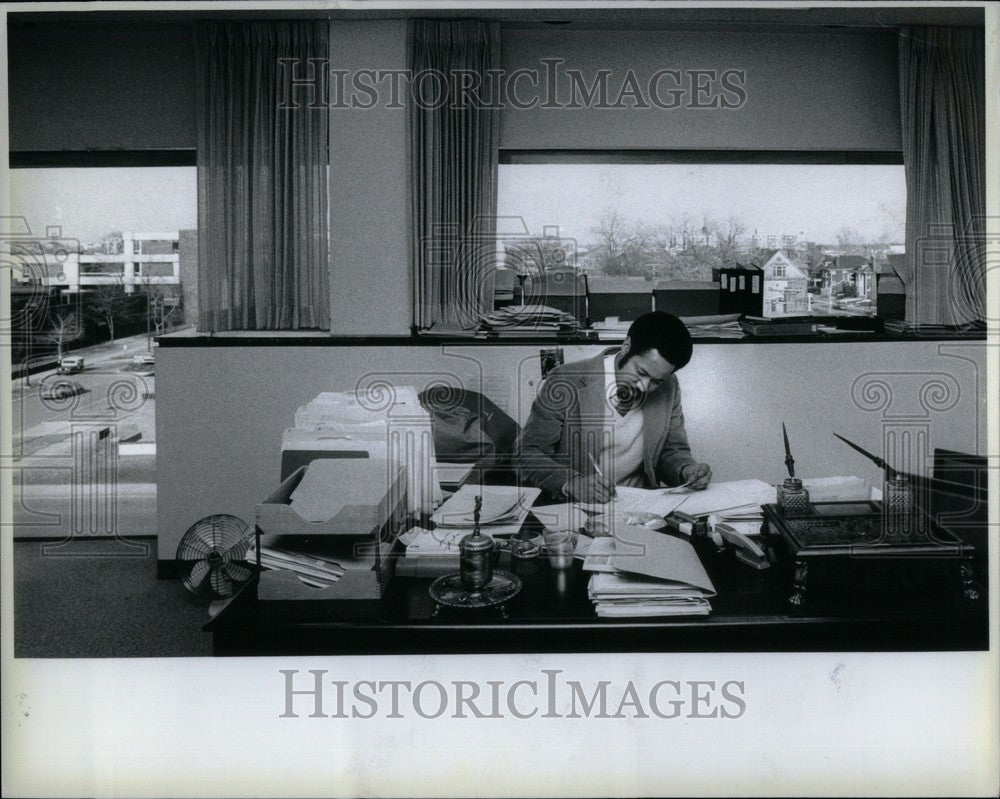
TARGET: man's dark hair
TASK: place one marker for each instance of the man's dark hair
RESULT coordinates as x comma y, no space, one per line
664,333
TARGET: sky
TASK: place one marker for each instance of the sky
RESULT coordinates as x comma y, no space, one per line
89,202
814,199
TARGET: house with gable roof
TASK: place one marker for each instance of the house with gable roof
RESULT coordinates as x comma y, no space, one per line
785,285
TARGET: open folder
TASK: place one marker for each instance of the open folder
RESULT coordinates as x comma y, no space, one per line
652,575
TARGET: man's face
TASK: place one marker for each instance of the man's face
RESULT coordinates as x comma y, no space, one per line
642,372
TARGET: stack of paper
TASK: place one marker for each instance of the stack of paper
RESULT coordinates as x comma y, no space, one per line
647,574
314,571
656,501
429,553
385,422
528,319
736,498
837,489
503,510
311,560
555,518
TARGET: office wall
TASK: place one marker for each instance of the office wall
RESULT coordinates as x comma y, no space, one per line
132,87
369,223
221,410
816,90
103,87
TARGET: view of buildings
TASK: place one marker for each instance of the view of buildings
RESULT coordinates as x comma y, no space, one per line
65,293
798,276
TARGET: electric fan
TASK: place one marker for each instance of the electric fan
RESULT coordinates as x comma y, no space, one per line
212,556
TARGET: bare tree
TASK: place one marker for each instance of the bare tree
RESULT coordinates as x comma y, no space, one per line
158,311
105,302
850,242
537,255
65,327
623,247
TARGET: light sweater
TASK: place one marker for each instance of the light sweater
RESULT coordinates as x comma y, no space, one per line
621,454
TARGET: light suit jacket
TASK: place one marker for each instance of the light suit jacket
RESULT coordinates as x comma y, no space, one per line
568,426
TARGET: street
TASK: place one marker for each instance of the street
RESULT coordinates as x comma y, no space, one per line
85,465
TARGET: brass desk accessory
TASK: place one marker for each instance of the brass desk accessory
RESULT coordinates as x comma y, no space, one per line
477,584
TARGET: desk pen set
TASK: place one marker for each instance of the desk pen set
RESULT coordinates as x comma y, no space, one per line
859,549
476,584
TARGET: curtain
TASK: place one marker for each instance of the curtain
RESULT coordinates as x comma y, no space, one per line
263,244
453,178
942,96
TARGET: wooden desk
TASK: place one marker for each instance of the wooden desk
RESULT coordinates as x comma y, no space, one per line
553,614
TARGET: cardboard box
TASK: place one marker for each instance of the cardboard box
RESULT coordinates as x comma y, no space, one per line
361,535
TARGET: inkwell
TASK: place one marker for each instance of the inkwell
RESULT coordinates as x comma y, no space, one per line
897,499
793,498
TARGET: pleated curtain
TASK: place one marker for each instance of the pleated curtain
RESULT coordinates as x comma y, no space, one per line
453,172
942,97
263,241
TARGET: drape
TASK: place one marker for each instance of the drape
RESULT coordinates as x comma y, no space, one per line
263,241
942,96
453,170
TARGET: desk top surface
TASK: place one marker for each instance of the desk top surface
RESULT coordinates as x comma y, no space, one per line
553,613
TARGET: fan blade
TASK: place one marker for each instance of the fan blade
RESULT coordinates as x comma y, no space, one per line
237,572
199,572
190,549
237,550
221,584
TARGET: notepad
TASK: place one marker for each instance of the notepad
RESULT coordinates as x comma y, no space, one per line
720,497
656,501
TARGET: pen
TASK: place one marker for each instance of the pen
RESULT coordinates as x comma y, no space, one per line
675,489
600,473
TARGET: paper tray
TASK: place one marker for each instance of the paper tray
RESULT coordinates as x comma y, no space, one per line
276,515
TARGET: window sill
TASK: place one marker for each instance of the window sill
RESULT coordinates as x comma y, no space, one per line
299,338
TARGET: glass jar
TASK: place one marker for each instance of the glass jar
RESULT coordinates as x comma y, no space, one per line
897,509
793,498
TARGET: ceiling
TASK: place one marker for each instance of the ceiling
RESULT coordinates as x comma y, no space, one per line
561,14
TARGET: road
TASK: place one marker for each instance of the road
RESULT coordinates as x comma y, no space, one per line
74,474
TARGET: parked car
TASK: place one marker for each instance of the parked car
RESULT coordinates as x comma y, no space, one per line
70,364
61,389
146,359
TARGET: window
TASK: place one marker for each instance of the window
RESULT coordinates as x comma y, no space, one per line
109,227
661,222
99,253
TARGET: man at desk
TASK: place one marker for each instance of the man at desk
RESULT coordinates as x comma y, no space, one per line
614,419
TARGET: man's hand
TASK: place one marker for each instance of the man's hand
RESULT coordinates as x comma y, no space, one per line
697,476
591,488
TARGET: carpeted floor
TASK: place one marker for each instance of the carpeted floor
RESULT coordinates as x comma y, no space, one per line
101,599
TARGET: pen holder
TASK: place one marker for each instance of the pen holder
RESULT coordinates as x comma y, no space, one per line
793,498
